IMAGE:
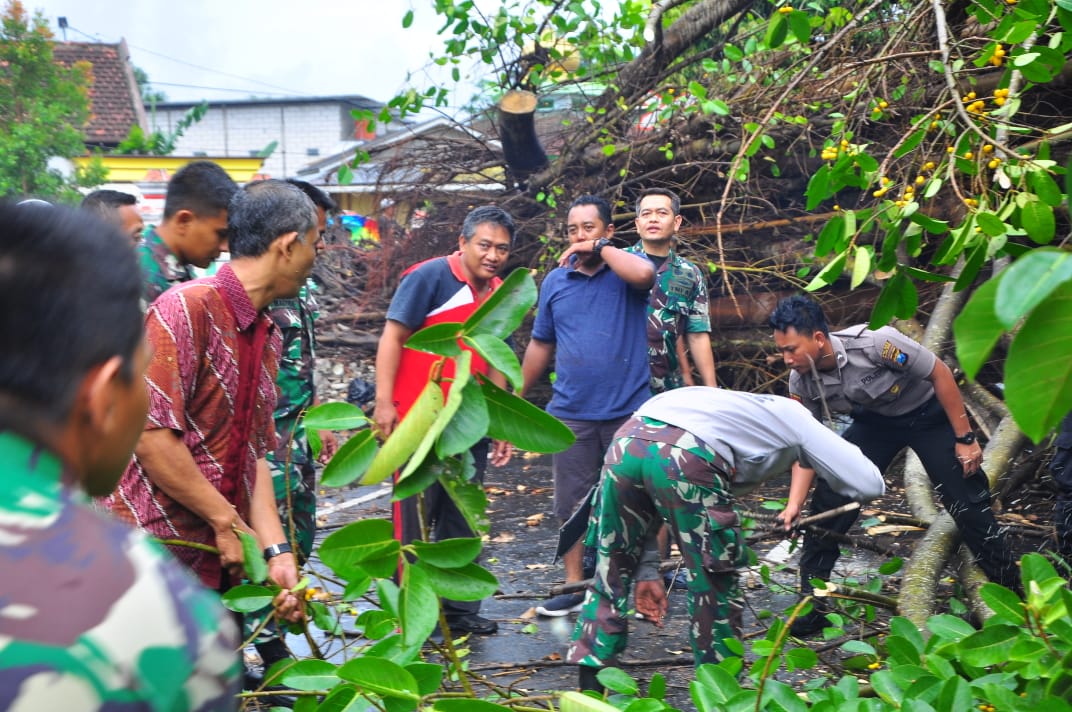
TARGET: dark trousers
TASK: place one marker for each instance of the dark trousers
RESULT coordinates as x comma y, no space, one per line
927,431
444,522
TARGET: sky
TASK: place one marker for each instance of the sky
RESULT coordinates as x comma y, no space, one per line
232,49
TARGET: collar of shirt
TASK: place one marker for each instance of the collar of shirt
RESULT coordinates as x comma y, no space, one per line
175,270
244,311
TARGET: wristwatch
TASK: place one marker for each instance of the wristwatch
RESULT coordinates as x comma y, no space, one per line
966,439
277,549
599,244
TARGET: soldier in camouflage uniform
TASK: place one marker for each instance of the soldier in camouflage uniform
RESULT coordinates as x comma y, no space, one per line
682,458
193,231
293,474
93,615
677,304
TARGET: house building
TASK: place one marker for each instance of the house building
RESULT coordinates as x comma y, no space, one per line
115,100
293,132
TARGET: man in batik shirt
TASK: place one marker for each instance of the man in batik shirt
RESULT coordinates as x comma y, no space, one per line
199,473
93,615
193,231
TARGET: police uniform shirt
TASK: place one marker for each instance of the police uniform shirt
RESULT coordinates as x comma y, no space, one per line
882,371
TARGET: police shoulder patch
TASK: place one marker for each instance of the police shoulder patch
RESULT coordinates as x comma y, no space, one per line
893,354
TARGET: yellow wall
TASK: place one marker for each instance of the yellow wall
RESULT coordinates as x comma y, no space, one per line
134,169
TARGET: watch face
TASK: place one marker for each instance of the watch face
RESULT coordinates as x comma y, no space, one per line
966,439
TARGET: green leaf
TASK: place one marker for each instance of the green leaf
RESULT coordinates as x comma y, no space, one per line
713,687
418,606
1045,188
421,478
376,624
898,298
439,339
471,501
858,646
429,676
247,598
517,421
1038,220
310,675
1038,372
861,266
618,681
344,698
407,436
1005,604
887,688
657,686
913,140
818,187
358,543
335,416
991,224
381,677
777,31
828,274
800,25
832,237
469,424
954,695
977,329
498,354
465,583
1028,281
253,557
503,311
990,646
472,705
351,460
407,19
449,553
732,53
931,225
949,627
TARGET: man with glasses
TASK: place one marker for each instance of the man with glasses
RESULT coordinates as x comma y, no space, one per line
436,291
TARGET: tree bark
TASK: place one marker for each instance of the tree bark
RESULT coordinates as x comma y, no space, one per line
517,131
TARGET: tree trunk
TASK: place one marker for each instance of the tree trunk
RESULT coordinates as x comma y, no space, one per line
517,130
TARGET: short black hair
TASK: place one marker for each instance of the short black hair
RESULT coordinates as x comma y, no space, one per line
488,214
262,211
320,199
201,187
801,313
106,202
71,288
601,203
675,201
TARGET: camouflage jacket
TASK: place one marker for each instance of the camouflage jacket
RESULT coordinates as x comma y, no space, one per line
297,390
94,612
160,267
677,305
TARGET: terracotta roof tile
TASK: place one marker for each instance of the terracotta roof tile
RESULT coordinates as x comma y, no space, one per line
116,104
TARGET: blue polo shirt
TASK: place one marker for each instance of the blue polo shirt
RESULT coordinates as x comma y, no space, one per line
598,325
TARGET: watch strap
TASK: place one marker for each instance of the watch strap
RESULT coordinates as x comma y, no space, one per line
277,549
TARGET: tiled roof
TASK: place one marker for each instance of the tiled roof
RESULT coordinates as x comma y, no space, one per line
115,100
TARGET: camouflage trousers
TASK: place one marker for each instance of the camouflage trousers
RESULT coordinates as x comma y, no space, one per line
295,495
294,484
652,473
